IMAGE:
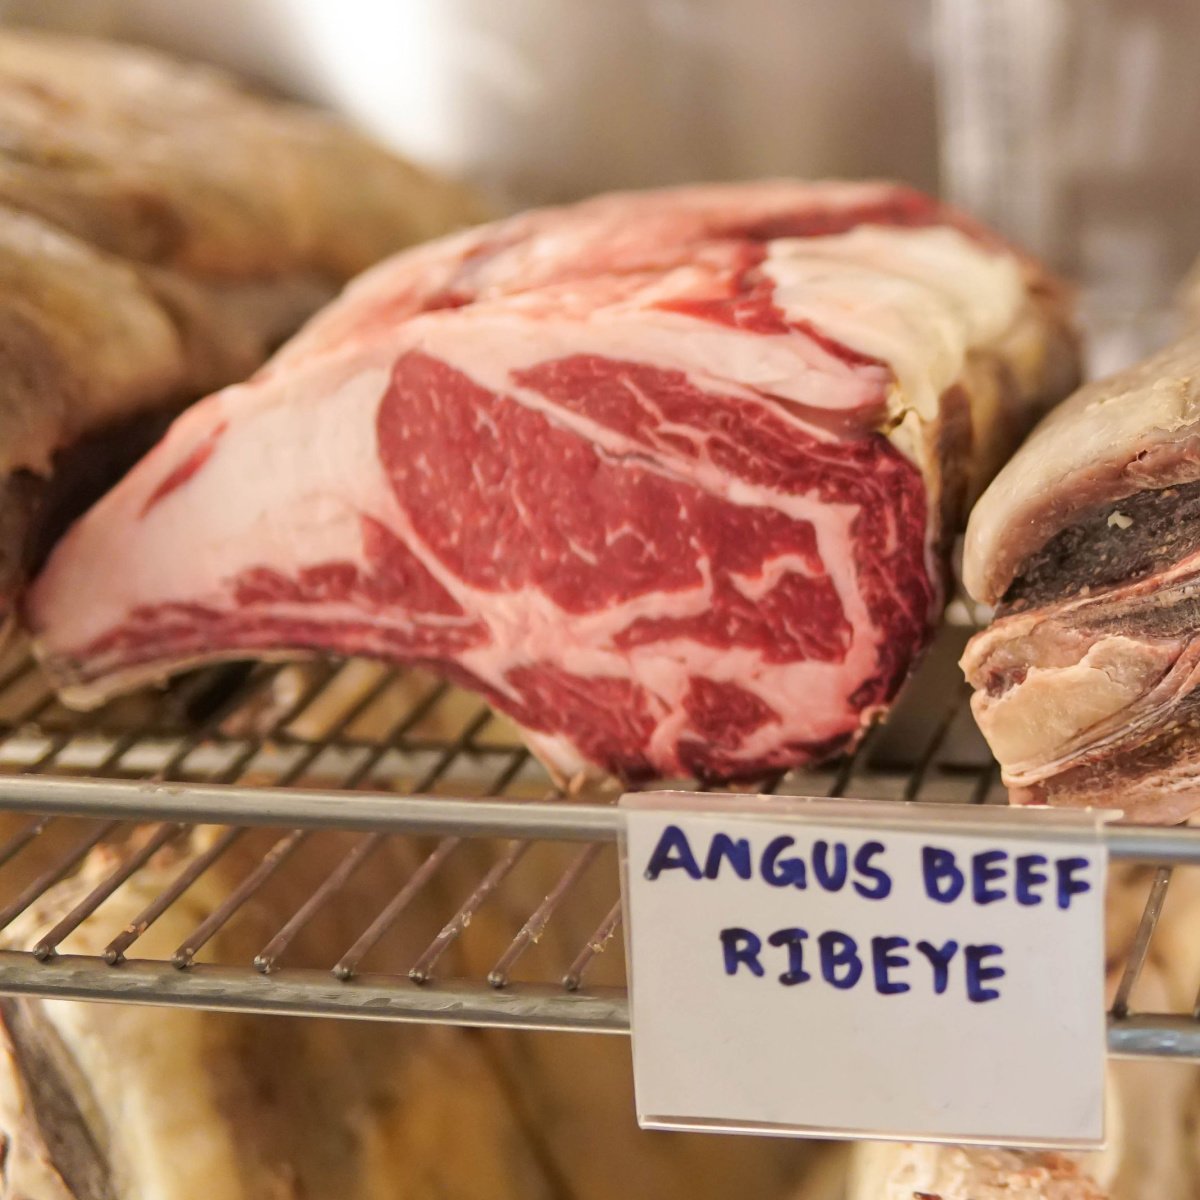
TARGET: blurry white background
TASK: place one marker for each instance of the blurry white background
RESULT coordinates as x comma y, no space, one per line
1068,124
542,100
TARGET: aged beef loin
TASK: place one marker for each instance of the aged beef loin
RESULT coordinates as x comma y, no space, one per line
667,477
1088,542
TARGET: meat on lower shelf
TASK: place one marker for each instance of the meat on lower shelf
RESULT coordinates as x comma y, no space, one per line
906,1171
667,477
1088,682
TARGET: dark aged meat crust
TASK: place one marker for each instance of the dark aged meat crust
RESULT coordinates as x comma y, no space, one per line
1088,682
1113,543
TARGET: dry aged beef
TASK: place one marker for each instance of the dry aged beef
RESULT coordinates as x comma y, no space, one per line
667,476
161,232
1088,543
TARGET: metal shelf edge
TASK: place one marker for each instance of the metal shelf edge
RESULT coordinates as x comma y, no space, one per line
1154,1035
557,820
1165,845
313,993
227,804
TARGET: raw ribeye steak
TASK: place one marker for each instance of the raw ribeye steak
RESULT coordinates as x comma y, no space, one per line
667,477
1088,542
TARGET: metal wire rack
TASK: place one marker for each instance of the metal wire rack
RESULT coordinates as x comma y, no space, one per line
497,898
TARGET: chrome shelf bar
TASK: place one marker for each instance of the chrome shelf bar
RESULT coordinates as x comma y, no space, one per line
233,805
383,812
536,1007
310,993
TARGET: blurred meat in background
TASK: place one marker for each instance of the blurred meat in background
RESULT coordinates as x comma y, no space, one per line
541,101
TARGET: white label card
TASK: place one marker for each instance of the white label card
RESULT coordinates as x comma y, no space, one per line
858,969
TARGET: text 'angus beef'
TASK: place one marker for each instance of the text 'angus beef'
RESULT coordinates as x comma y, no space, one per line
667,477
1088,682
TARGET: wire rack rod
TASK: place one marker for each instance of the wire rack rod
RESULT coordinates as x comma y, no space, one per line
50,942
533,929
19,841
268,956
1140,950
1158,1035
275,858
596,944
114,952
54,874
422,970
347,965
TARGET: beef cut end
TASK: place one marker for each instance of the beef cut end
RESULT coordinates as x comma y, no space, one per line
1088,682
667,477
